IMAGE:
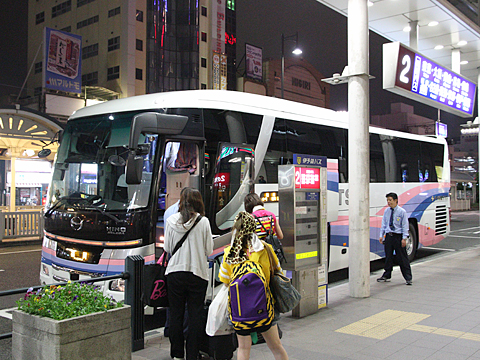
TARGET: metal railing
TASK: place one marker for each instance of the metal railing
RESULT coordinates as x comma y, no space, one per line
21,224
133,276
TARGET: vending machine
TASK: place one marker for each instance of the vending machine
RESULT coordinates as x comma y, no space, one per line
302,190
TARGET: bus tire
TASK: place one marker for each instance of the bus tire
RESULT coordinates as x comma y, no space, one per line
412,242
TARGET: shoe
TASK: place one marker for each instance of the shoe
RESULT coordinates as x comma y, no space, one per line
178,358
408,282
383,279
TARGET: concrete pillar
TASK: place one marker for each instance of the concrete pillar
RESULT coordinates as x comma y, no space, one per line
414,34
456,60
358,149
12,184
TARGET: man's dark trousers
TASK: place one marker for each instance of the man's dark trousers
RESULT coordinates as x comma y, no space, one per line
392,242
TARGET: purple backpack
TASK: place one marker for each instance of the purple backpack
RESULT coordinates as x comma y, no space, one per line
251,304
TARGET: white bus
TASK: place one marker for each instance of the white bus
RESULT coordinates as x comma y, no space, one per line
120,164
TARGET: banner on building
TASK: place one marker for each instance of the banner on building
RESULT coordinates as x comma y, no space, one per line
218,26
216,71
223,72
62,65
253,59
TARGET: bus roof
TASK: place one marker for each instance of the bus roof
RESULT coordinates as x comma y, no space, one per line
236,101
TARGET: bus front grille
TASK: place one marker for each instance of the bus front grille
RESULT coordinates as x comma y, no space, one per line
441,217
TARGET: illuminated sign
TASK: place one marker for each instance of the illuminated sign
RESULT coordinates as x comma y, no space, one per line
269,196
254,61
221,180
410,74
307,178
310,160
441,129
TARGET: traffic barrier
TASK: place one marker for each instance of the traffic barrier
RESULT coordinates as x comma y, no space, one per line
21,224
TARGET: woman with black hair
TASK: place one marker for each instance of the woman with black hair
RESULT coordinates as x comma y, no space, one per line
187,272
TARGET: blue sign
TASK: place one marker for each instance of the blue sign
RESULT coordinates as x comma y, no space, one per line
408,73
62,68
312,196
310,160
441,129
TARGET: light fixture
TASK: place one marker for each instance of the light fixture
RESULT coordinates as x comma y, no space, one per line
433,23
369,3
464,62
462,42
297,51
407,28
438,47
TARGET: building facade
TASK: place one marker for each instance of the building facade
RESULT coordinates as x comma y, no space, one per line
133,47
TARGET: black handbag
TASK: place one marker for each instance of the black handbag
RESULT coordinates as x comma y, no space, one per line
155,280
284,293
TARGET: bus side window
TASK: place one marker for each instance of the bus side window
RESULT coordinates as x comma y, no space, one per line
181,169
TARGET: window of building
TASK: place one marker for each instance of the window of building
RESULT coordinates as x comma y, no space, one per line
90,51
114,12
114,43
204,62
37,91
83,2
38,67
86,22
204,36
139,74
139,45
90,79
40,18
61,8
139,15
67,29
204,11
113,73
204,86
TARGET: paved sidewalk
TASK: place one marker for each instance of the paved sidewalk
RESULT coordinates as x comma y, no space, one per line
438,318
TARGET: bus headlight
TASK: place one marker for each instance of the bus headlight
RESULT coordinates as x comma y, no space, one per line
118,285
45,269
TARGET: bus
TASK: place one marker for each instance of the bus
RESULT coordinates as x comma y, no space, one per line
122,163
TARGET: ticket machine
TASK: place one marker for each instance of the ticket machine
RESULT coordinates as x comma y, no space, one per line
302,190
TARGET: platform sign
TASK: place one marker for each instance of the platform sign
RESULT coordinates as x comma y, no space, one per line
441,129
413,75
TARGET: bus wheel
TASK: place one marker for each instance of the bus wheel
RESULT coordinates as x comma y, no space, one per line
412,242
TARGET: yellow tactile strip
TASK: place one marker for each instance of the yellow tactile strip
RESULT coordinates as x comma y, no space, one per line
389,322
384,324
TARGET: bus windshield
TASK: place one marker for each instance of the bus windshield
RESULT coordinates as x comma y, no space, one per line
89,172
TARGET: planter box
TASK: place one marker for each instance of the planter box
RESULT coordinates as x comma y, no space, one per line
103,335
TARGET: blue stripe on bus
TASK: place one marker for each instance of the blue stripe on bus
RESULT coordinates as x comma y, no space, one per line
332,186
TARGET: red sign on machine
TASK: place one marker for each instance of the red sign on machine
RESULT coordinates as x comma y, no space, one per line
307,178
221,180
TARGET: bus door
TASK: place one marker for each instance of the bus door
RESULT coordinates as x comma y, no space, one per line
232,180
182,167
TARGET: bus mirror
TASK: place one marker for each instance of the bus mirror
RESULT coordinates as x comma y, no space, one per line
133,169
155,123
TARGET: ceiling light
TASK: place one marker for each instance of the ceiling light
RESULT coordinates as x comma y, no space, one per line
438,47
407,28
433,23
369,3
461,43
464,62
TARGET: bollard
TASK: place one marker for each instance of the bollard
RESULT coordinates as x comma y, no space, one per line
133,297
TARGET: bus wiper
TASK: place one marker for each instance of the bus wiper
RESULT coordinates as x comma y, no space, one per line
55,206
103,213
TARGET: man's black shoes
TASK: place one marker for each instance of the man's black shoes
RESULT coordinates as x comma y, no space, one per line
408,282
383,279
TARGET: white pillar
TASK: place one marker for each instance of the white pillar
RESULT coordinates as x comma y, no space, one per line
12,184
358,149
456,60
478,134
414,34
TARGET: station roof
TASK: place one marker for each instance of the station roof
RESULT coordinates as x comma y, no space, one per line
388,18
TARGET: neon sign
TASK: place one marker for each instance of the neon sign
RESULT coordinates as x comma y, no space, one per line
307,178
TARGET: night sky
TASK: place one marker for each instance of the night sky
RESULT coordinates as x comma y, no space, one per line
322,37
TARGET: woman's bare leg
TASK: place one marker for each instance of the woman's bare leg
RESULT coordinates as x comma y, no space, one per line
274,343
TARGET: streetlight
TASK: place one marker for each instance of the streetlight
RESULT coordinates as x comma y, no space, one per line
296,51
471,128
